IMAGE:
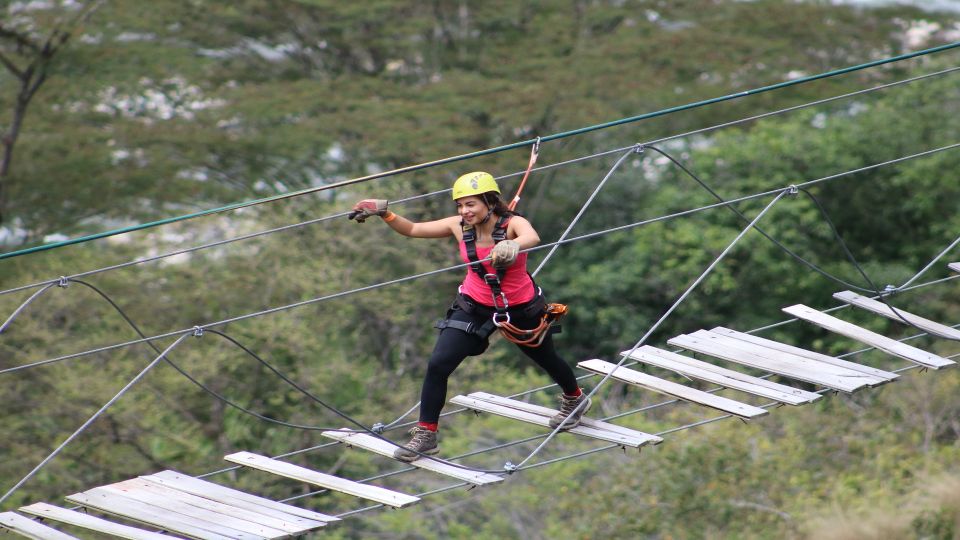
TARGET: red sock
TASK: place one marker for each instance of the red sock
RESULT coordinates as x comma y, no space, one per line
578,393
432,426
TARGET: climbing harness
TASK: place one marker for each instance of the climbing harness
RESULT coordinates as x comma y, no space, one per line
549,314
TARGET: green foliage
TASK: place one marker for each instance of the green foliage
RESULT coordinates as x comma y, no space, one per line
190,105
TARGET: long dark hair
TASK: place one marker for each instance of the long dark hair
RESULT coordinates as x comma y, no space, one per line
492,200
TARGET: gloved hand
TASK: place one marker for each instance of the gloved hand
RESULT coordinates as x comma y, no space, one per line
505,253
368,208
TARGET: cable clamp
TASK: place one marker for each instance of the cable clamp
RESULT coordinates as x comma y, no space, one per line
63,282
510,467
378,428
197,331
793,190
639,148
890,290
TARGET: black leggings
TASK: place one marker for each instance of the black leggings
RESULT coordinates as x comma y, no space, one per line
454,345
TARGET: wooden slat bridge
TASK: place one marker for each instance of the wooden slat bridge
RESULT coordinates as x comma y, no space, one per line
174,505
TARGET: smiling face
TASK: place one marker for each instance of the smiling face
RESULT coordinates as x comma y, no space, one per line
472,209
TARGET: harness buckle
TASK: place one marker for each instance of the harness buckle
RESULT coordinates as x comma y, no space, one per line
500,318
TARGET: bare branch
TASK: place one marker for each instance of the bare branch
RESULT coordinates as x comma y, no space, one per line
61,36
21,39
7,63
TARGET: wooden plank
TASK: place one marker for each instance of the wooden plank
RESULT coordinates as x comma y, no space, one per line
247,527
727,378
783,347
955,267
235,497
255,517
885,344
544,421
112,502
24,526
880,308
856,378
147,514
384,448
673,389
296,472
548,412
806,371
304,524
86,521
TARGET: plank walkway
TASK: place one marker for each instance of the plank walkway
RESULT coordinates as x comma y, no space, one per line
240,499
885,344
24,526
783,347
296,472
727,378
673,389
955,267
880,308
539,415
791,366
384,448
196,508
93,523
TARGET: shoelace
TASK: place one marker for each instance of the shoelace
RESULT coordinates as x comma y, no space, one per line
419,436
568,405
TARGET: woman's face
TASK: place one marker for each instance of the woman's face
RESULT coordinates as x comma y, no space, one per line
472,209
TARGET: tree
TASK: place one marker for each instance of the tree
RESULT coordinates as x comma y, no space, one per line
28,57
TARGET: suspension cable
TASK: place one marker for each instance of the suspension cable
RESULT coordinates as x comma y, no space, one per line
464,265
518,173
470,155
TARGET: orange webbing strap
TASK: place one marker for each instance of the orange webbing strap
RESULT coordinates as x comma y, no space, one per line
534,337
534,152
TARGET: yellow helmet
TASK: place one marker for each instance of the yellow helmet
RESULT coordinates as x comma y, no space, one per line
474,183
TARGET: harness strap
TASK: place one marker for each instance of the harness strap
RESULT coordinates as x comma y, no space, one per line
483,330
491,279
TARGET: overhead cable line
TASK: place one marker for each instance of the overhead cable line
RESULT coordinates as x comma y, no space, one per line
739,214
464,265
518,173
470,155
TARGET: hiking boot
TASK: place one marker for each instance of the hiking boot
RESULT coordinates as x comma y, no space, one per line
567,405
423,441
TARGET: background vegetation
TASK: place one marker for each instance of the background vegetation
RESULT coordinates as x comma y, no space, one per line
149,110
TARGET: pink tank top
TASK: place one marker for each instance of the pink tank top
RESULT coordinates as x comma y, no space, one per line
516,283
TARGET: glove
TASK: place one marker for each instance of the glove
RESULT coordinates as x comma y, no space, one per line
368,208
505,253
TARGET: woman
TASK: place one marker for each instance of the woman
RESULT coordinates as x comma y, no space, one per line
502,291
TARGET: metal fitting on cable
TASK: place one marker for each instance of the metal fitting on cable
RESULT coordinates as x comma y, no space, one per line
889,290
639,148
510,467
197,331
793,190
378,428
64,282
